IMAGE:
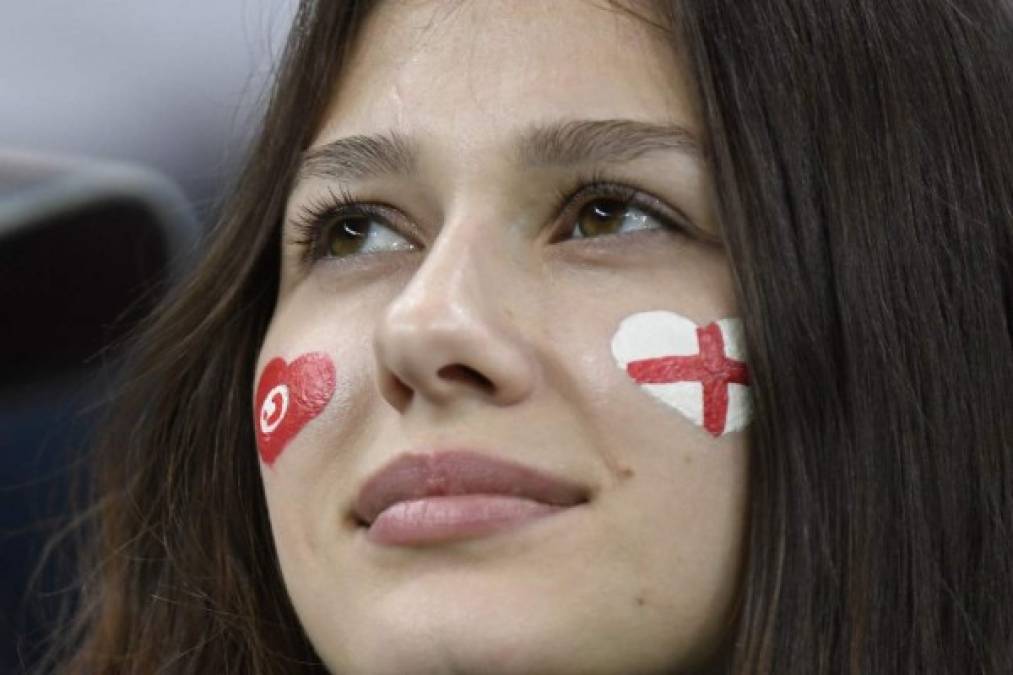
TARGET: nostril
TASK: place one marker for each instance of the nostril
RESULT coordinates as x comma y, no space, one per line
466,375
398,393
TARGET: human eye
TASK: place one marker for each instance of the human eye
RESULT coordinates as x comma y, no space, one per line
340,227
603,209
601,217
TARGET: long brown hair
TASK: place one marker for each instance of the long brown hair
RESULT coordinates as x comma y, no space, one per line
861,154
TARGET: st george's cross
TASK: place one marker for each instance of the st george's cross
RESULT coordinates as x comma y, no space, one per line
698,370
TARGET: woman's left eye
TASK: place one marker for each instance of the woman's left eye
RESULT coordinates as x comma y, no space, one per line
601,217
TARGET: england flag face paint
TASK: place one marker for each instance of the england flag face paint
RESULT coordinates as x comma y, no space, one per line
700,371
289,395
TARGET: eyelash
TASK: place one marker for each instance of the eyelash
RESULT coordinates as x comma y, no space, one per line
313,216
587,187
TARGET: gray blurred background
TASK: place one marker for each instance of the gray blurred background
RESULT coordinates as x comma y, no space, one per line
120,123
172,85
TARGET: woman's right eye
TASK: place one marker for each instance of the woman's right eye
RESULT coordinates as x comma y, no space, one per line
348,235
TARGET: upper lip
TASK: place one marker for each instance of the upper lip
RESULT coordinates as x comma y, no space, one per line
459,472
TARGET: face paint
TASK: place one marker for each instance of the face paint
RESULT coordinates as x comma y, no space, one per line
288,397
699,371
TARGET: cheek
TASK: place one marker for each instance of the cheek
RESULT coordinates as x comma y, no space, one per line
289,395
697,371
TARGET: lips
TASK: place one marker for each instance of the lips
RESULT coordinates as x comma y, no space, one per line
413,477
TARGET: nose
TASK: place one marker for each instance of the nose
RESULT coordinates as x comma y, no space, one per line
448,336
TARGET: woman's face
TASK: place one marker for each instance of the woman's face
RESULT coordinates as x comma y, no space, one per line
538,225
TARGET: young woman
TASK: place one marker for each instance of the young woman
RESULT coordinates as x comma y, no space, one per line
580,337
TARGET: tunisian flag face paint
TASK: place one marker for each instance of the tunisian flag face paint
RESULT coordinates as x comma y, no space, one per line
288,397
699,371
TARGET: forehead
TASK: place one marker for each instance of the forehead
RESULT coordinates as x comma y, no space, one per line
469,72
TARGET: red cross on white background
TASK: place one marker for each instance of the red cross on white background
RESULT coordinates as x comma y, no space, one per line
711,367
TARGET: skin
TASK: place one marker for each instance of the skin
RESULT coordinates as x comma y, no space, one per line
493,334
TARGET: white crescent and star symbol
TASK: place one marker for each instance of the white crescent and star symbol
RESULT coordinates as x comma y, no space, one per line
275,406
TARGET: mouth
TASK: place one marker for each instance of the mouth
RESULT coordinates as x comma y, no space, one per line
425,499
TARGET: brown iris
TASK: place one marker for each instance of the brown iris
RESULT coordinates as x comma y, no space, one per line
347,236
601,217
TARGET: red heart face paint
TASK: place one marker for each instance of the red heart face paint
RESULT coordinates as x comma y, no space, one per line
698,370
288,397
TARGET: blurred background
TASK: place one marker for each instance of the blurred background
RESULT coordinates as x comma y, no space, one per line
121,122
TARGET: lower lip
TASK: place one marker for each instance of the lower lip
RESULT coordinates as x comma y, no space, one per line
435,520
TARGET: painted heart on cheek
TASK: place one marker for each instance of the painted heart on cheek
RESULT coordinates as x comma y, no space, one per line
288,397
698,370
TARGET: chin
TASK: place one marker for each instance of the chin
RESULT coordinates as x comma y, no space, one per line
435,629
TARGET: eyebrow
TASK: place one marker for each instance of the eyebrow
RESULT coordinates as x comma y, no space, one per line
358,157
556,144
572,142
